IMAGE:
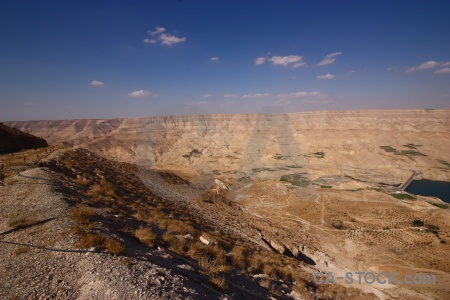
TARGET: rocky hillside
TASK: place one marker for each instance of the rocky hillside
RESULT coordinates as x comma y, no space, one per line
80,226
331,142
12,140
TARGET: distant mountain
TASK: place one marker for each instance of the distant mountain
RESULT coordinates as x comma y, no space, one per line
12,140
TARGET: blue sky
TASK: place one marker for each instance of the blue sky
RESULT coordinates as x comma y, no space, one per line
109,59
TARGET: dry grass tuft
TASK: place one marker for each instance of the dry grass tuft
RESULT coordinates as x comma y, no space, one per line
83,214
113,246
219,282
21,250
20,221
145,236
239,257
89,240
93,240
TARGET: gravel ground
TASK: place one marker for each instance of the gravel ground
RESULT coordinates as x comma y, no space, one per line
34,273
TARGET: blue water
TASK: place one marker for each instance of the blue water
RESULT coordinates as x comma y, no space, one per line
424,187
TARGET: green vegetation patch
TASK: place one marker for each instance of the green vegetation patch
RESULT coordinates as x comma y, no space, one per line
403,197
388,148
403,152
280,157
294,167
410,152
440,205
257,170
411,146
444,162
316,154
297,179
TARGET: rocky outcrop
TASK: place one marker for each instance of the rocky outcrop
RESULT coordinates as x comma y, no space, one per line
12,140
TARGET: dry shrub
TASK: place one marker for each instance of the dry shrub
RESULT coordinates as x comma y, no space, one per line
21,250
179,226
83,215
209,264
90,240
239,257
113,246
104,188
145,236
95,192
20,221
255,264
219,282
213,258
175,244
93,240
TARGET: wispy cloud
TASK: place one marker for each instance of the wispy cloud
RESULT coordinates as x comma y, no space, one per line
150,41
301,95
305,97
164,38
256,95
326,76
215,58
286,61
229,95
444,70
158,30
97,83
329,59
140,94
169,40
429,65
260,60
207,95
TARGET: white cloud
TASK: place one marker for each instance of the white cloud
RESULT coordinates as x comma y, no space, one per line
202,102
169,40
444,70
164,38
97,83
150,41
229,95
260,60
215,58
256,95
299,64
426,65
306,97
289,60
446,64
301,95
329,59
207,96
157,30
326,76
140,94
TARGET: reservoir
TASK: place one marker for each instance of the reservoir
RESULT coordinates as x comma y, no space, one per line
425,187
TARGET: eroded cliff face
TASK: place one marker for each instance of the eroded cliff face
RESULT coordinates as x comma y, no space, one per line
331,142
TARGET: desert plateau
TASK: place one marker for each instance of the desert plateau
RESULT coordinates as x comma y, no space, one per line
322,190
